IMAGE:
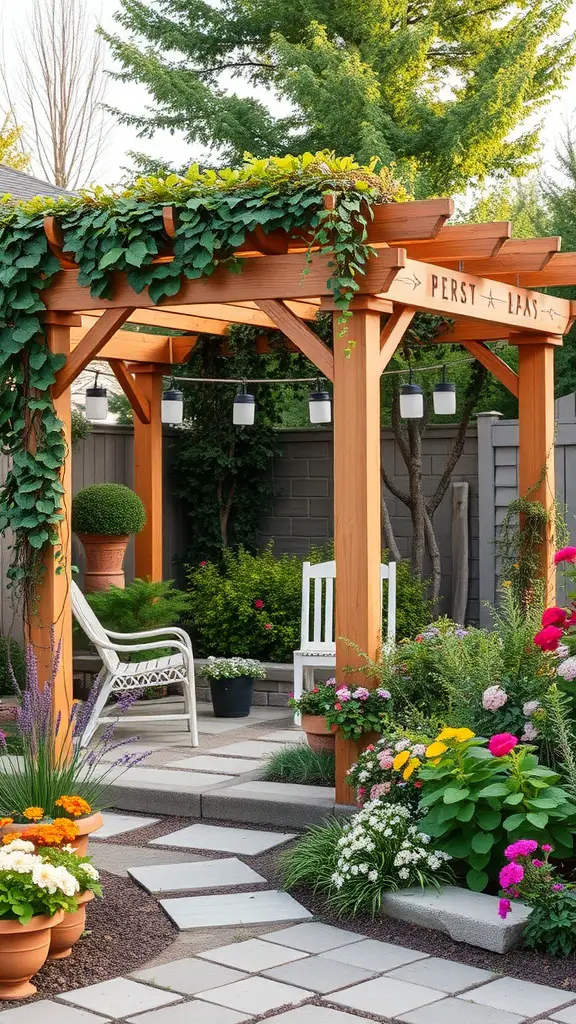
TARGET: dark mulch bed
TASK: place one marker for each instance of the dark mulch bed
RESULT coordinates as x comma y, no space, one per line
124,931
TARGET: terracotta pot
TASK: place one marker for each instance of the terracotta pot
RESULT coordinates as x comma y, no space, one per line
319,734
85,827
104,558
67,933
23,951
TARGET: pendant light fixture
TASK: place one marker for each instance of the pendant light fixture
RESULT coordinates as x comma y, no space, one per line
444,396
411,400
172,405
244,408
319,405
96,402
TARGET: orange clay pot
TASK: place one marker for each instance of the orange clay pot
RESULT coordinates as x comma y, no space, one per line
23,951
104,558
319,734
91,823
67,933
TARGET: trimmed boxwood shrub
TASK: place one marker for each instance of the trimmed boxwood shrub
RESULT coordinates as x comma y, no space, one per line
111,509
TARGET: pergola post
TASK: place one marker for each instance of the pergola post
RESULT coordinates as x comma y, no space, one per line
148,473
536,476
356,508
49,617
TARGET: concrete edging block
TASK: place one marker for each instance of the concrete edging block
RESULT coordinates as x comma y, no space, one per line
153,801
257,811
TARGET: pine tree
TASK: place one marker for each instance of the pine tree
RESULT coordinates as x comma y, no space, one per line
439,88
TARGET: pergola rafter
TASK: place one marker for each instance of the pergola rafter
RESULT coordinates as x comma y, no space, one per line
476,276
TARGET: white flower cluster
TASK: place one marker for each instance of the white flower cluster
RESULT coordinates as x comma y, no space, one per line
231,668
381,842
89,871
19,856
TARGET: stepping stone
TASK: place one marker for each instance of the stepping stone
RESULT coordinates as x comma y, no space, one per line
253,955
444,975
284,736
205,874
567,1016
167,780
119,997
314,1015
211,763
315,938
449,1011
215,726
522,997
385,997
233,908
255,995
248,748
319,975
189,976
223,839
376,956
117,858
194,1012
47,1012
285,791
117,824
128,748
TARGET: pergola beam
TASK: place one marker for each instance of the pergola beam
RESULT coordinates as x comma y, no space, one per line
89,347
138,400
517,255
497,367
560,271
392,333
309,343
461,241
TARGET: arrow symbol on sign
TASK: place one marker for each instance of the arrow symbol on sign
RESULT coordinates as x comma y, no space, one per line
414,281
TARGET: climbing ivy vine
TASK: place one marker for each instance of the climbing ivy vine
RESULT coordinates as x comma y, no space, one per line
107,232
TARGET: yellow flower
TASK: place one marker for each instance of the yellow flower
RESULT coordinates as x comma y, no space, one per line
435,749
34,813
506,583
411,767
516,565
447,734
401,759
463,734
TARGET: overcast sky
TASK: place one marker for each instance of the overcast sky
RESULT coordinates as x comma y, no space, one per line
134,98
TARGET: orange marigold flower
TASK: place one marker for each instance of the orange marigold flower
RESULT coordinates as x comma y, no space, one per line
6,821
11,837
74,805
34,813
68,829
45,835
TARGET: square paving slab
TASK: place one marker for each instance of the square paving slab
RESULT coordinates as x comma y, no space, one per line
189,976
284,736
117,858
168,780
522,997
216,726
253,955
47,1012
313,937
119,997
256,995
449,1011
319,975
248,748
385,997
116,824
195,1012
233,908
567,1016
375,956
315,1015
223,839
211,763
129,748
206,874
444,975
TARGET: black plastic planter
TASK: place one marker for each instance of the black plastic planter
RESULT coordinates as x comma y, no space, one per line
232,698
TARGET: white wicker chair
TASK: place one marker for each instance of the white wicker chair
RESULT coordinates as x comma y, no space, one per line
121,677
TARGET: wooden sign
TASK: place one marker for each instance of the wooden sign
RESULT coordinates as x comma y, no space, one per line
432,288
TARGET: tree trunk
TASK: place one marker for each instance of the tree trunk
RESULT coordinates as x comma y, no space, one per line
434,554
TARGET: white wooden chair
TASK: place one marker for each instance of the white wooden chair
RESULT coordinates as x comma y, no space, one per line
122,677
317,643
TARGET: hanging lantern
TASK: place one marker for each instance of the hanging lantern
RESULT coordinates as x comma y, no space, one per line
96,402
172,405
444,396
244,408
411,401
319,405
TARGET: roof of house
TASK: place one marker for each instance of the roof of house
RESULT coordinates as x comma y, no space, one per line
25,186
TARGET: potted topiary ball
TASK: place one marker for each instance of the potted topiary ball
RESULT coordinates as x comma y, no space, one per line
104,516
232,684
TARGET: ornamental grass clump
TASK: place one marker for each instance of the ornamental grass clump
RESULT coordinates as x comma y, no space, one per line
300,765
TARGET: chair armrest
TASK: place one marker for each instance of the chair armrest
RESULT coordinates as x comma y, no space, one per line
131,648
166,631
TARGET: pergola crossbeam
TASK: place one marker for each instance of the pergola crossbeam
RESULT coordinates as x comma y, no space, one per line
138,400
89,347
309,343
497,367
392,333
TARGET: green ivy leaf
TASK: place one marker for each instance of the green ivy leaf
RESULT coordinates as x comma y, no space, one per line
111,257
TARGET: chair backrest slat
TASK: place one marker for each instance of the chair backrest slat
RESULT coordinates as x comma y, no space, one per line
329,611
317,609
92,627
321,596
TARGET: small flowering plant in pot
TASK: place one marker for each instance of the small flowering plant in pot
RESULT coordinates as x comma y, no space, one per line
65,934
313,706
232,684
480,795
388,770
354,710
530,878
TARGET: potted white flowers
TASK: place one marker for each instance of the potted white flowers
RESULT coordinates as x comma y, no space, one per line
232,684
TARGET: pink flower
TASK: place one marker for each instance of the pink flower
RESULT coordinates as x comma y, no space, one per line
557,887
521,848
259,603
511,874
384,694
343,693
502,743
547,848
268,625
337,706
494,698
385,760
331,681
381,789
565,555
538,863
361,693
203,563
554,616
504,908
530,733
548,638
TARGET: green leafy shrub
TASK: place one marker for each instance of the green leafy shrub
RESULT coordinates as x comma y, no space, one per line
110,509
11,657
301,765
413,607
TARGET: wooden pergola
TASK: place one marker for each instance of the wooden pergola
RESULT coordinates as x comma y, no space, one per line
475,275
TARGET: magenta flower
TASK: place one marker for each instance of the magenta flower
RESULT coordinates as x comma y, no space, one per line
259,603
385,760
521,848
511,874
538,863
504,908
557,887
548,638
554,617
343,693
547,848
565,555
502,743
